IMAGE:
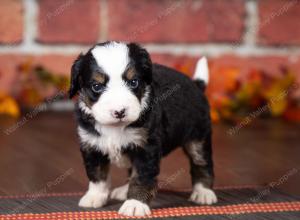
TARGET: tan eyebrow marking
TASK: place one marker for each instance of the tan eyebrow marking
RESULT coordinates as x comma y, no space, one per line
99,77
130,73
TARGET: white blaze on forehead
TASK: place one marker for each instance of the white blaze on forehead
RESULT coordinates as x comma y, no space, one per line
113,58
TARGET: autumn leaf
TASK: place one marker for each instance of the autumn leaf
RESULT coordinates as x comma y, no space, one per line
8,106
215,117
278,108
292,114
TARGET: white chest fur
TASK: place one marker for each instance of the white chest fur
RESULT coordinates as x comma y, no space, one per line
112,140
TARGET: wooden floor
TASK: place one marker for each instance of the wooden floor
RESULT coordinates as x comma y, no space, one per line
42,155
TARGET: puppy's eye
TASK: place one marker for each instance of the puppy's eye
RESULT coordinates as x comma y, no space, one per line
97,88
134,83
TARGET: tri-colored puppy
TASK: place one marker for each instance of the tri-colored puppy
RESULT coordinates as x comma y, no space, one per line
131,113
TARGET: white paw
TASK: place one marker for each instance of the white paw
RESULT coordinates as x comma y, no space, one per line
96,196
90,200
202,195
134,207
120,193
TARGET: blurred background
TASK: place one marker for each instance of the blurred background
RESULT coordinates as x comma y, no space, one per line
253,49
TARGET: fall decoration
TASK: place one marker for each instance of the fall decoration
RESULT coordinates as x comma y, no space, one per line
8,106
259,94
232,98
34,86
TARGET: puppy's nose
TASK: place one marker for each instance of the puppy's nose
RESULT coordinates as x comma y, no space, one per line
119,114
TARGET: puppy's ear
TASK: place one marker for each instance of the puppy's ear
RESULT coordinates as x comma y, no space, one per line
142,60
75,76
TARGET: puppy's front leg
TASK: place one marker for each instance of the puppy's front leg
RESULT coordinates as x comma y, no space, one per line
143,184
97,168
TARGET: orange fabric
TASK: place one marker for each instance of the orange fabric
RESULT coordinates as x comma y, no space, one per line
166,212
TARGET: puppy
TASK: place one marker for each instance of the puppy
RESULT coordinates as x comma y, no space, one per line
131,113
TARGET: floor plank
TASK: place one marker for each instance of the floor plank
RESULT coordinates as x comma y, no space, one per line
42,154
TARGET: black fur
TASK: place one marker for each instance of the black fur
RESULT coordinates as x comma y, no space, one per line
178,113
96,164
75,72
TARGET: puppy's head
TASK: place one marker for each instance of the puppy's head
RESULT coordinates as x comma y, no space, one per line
113,80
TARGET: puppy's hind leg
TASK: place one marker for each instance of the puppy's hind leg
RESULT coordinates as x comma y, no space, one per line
201,169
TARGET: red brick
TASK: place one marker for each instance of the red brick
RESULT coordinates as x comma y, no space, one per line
271,65
185,64
9,73
176,21
279,22
69,21
11,21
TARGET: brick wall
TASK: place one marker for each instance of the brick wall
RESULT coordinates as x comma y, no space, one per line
245,34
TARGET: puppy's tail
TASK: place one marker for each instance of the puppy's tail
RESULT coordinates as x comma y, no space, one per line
201,76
